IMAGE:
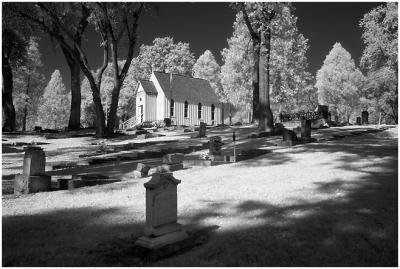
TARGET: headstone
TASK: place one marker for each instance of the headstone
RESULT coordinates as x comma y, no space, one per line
138,174
364,117
142,168
33,178
37,129
202,130
162,227
34,161
336,118
278,130
324,110
165,168
289,138
358,121
305,128
173,158
215,145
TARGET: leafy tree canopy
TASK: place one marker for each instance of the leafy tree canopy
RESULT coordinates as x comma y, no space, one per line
54,107
165,56
339,81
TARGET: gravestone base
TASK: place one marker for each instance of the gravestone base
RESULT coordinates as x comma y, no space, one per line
287,143
163,229
75,183
307,140
24,184
223,158
160,241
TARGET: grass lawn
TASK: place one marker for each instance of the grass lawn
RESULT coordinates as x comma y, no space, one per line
318,204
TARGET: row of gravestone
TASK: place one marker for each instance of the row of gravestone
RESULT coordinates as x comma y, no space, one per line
34,179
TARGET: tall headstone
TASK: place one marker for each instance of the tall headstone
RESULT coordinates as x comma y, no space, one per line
336,118
215,145
33,178
323,110
364,117
202,130
306,129
289,138
358,121
162,227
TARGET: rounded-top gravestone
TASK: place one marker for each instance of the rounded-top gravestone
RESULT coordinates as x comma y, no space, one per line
202,129
364,117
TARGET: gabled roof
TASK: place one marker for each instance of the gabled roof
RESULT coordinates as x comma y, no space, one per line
185,88
148,87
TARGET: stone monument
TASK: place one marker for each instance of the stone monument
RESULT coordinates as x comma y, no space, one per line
202,130
289,138
364,117
33,178
162,227
215,145
305,129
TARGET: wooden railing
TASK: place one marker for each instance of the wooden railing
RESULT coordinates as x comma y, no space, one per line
128,123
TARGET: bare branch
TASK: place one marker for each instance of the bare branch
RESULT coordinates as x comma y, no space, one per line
56,20
132,42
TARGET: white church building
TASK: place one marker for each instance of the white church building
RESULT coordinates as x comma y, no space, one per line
185,100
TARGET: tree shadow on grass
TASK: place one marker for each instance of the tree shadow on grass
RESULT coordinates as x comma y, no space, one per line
357,229
63,237
354,149
357,225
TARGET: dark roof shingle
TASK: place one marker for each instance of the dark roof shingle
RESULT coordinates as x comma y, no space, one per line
148,87
189,89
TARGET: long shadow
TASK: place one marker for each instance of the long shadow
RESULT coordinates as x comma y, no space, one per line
63,237
359,229
356,226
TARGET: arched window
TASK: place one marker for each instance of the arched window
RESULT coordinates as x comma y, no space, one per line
199,111
185,111
171,108
212,111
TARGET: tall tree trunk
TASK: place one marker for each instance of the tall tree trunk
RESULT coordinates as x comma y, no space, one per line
75,116
75,79
100,118
266,121
26,106
256,82
115,92
8,106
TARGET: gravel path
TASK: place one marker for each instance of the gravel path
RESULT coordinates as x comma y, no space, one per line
326,204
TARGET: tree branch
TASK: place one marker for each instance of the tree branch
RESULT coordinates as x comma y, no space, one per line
254,36
132,42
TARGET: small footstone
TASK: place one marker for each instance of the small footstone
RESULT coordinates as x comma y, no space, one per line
172,167
173,158
75,183
142,168
138,174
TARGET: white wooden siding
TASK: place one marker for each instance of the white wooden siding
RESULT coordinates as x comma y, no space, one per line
192,119
160,111
140,100
151,107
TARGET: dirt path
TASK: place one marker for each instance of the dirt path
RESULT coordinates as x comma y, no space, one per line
327,204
